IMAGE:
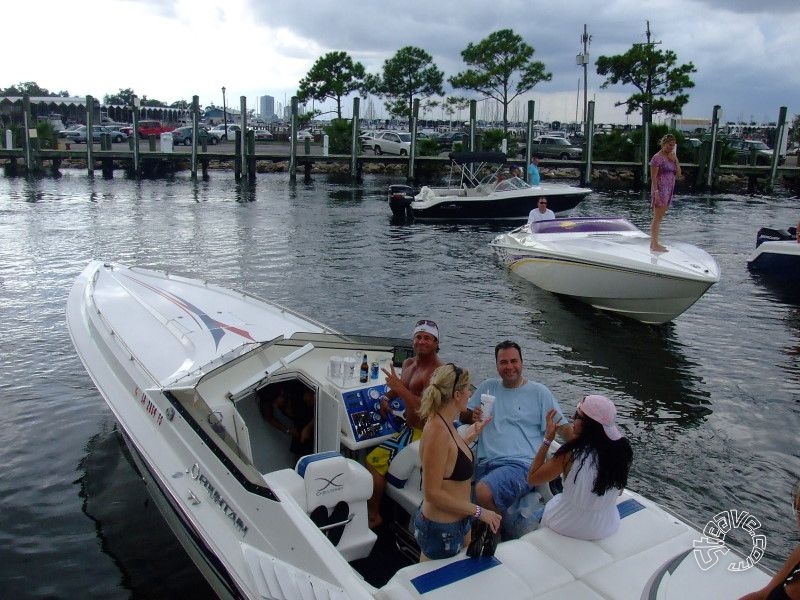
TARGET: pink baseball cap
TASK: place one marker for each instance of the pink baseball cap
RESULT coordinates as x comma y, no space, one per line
602,410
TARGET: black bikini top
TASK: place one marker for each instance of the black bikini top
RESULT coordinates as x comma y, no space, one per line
464,468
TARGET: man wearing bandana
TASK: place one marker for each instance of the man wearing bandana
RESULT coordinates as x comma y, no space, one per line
408,386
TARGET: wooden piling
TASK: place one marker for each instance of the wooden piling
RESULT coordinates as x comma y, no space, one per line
237,156
355,143
89,139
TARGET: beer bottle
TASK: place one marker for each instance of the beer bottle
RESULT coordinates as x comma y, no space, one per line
364,370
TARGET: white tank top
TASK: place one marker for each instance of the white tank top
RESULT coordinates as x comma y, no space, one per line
578,512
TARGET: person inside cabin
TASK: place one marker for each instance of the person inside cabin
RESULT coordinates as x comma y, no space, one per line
797,232
515,171
408,386
593,466
510,440
540,213
785,584
289,408
443,521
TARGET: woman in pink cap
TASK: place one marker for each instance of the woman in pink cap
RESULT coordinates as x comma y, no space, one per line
594,467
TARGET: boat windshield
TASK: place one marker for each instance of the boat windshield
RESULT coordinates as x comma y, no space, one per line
583,225
513,183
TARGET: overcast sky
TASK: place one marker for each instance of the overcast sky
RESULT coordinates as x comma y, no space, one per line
745,51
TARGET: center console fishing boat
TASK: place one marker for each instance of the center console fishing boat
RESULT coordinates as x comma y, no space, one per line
481,190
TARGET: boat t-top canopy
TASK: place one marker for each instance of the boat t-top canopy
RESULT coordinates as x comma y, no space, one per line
465,158
477,168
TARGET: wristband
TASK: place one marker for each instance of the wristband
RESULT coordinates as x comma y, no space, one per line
478,511
546,442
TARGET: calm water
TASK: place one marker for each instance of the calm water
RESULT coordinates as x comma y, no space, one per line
711,402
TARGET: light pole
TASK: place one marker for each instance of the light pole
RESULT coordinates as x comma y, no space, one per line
224,112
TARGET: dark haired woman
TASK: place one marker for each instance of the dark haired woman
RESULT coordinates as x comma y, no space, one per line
594,467
448,464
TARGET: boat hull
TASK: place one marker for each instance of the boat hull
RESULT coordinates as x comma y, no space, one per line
777,258
500,206
652,299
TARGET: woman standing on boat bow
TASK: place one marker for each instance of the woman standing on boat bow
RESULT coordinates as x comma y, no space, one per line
664,170
448,464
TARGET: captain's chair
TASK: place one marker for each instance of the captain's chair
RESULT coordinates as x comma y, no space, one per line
336,494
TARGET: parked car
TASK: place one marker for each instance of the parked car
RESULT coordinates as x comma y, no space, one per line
70,133
744,149
220,132
304,134
148,127
262,135
183,135
553,146
446,140
116,135
368,139
392,142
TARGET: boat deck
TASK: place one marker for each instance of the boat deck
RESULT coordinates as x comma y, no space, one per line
650,556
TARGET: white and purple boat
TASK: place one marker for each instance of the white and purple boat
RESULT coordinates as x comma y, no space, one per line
607,263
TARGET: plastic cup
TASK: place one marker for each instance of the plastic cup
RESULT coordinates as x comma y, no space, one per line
349,367
335,366
487,405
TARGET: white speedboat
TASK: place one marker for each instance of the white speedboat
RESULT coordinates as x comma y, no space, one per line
607,263
481,193
183,365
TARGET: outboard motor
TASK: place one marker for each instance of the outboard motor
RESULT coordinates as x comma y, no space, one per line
400,199
767,234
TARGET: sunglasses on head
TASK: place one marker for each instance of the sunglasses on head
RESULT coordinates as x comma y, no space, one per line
458,371
426,322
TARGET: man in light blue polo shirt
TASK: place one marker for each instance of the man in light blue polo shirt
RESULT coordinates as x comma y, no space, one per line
509,442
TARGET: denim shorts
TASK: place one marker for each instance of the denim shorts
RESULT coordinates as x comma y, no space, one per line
440,540
507,480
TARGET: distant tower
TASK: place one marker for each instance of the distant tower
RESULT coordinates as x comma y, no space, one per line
267,107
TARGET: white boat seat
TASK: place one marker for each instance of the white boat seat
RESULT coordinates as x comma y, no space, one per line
404,479
333,490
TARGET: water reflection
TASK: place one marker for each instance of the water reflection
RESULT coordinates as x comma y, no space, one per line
245,191
619,354
784,287
151,562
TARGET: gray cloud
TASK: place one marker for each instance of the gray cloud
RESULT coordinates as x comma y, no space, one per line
744,51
